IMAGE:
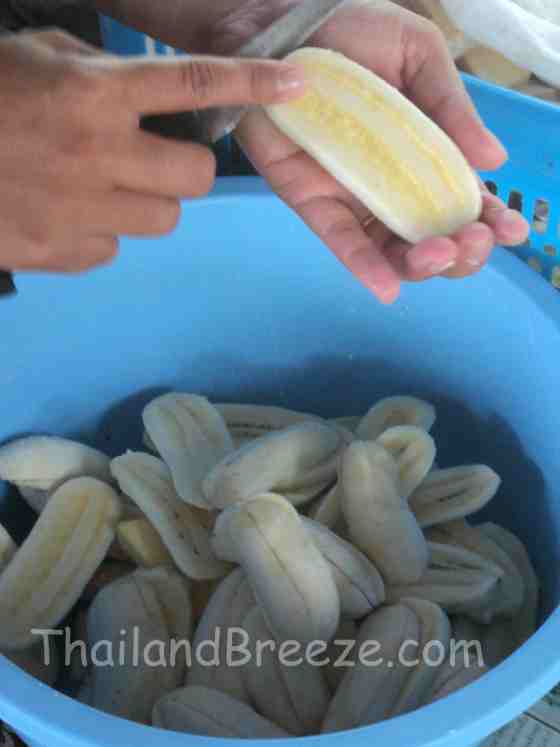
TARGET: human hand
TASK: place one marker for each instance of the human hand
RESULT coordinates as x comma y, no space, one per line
410,53
76,170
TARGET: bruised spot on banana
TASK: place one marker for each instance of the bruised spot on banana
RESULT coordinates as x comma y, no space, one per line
391,412
50,570
448,494
148,482
221,622
191,437
507,598
381,147
38,465
301,456
153,608
458,580
359,583
379,520
291,579
414,451
371,692
295,697
210,713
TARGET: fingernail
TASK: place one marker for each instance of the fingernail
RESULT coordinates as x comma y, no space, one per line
291,80
437,269
474,262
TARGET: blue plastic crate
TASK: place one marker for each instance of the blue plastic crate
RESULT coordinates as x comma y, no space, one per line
529,128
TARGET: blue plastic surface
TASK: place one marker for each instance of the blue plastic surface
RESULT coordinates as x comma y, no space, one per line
243,303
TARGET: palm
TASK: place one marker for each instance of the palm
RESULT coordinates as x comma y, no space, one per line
409,54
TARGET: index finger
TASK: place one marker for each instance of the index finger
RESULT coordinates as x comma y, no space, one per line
167,86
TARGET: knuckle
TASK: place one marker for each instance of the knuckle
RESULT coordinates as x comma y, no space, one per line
199,78
79,86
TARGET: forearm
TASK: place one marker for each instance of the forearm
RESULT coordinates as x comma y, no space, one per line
186,24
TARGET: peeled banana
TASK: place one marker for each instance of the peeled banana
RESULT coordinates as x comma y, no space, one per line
249,422
225,611
394,411
359,583
7,548
191,437
37,465
287,572
448,494
48,573
108,571
295,697
152,607
326,509
142,544
341,653
414,451
300,456
210,713
379,520
148,481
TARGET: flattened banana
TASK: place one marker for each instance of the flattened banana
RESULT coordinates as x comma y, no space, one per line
379,520
452,678
524,623
295,697
152,609
142,544
326,509
288,574
381,147
210,713
191,437
38,465
297,457
227,608
448,494
508,596
108,571
456,579
414,451
359,583
249,422
7,548
341,653
394,411
50,570
369,690
148,482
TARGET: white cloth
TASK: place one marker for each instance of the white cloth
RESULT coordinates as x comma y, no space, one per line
526,32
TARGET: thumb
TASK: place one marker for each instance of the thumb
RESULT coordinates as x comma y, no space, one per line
166,86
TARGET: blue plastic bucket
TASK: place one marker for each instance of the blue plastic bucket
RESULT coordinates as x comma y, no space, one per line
243,303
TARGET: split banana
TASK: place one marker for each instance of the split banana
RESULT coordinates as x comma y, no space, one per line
148,482
225,612
367,135
7,548
288,574
359,584
458,580
448,494
210,713
295,697
303,496
493,67
34,662
524,624
38,465
414,451
142,544
300,456
395,411
379,520
50,570
341,653
249,422
507,598
152,607
393,677
326,509
191,437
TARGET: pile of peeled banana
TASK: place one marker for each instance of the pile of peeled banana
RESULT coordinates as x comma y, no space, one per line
298,531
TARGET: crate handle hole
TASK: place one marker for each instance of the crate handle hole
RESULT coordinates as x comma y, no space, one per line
550,250
515,201
541,216
492,187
